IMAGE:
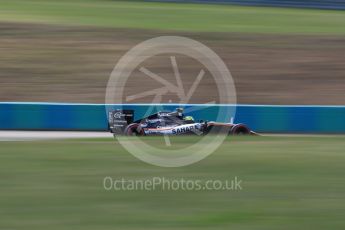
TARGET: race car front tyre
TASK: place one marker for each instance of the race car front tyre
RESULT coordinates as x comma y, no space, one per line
133,130
240,129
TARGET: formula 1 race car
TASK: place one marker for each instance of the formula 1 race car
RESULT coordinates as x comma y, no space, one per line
121,122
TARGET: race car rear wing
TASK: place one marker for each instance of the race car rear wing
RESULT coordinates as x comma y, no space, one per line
119,119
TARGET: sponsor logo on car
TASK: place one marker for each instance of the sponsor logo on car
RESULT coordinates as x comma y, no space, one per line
185,129
117,115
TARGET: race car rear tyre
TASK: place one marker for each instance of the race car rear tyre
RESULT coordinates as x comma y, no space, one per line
240,129
132,130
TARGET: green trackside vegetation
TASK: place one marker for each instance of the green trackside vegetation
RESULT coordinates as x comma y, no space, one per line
173,16
287,183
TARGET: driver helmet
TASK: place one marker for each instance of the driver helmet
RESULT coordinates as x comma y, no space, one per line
188,118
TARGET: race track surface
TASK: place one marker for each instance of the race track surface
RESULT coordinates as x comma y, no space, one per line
48,135
6,135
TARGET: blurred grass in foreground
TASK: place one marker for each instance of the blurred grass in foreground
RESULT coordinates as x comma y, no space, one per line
172,16
288,183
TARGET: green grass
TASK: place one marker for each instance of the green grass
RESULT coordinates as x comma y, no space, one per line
172,16
288,183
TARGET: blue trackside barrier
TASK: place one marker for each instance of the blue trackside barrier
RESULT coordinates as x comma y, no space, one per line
260,118
317,4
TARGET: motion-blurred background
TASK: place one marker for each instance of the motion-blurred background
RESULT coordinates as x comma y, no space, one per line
64,51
